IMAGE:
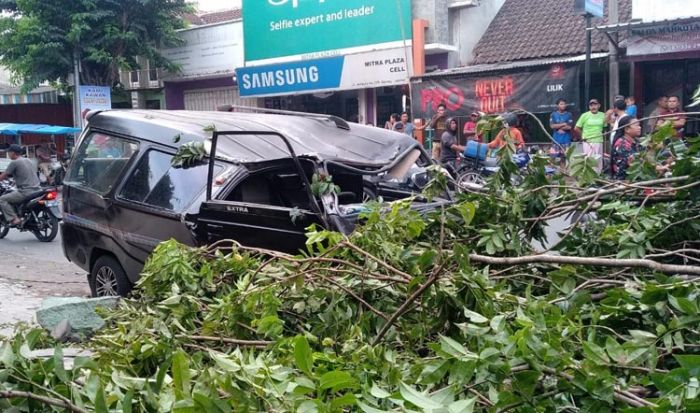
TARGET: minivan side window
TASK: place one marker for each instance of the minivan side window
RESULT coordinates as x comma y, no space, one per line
100,161
154,182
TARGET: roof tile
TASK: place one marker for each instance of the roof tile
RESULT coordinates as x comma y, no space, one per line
531,29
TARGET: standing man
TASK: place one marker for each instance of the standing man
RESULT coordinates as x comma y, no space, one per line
562,122
469,132
26,180
619,113
590,125
408,127
661,105
675,116
438,123
450,146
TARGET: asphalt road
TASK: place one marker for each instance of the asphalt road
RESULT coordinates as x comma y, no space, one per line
31,271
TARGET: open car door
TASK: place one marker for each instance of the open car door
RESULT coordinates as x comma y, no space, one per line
266,204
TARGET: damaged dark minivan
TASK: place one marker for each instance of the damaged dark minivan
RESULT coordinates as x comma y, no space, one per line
123,195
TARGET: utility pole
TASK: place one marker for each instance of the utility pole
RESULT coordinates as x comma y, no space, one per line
77,118
589,46
614,65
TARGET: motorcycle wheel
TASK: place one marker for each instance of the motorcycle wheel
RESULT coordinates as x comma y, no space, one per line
4,229
46,226
470,181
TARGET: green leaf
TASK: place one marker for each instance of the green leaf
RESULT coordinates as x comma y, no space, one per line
336,380
417,398
181,375
526,382
595,353
7,356
475,317
369,409
379,393
690,362
303,355
455,349
100,401
462,406
59,368
643,336
683,305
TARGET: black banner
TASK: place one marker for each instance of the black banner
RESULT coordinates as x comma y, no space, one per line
534,90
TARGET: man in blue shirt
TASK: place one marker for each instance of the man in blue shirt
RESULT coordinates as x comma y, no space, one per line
561,121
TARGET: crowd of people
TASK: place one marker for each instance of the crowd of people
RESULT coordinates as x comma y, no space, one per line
615,132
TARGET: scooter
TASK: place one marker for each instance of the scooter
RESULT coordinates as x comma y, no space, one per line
39,212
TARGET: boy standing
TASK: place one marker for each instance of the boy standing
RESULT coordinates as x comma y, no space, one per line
561,121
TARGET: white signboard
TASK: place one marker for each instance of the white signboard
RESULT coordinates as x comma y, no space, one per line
209,50
658,10
665,38
357,71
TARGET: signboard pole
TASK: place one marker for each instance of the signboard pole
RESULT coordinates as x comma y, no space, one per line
77,119
589,46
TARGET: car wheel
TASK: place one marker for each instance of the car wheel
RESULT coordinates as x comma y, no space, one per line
47,226
108,278
4,229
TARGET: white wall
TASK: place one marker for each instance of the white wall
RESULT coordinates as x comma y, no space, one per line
214,5
468,25
656,10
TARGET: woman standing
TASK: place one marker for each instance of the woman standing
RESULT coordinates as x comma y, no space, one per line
624,146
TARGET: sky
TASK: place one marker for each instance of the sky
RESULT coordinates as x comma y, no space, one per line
209,5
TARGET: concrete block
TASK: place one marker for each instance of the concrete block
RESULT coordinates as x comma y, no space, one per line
78,313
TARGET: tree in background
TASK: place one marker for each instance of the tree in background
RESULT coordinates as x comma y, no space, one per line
39,38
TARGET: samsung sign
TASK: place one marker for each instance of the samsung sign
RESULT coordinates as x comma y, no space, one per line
287,30
359,71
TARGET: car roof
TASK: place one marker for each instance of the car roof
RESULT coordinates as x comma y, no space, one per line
321,136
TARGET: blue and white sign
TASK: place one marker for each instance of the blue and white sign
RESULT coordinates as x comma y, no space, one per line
595,8
358,71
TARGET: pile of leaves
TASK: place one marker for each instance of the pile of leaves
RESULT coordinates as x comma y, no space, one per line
458,310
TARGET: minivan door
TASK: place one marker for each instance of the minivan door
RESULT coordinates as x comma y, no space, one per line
268,206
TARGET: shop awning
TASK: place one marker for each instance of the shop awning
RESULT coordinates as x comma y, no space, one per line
20,128
494,67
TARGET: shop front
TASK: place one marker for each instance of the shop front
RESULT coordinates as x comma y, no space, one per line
665,56
534,88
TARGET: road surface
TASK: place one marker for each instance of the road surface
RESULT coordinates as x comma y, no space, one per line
31,271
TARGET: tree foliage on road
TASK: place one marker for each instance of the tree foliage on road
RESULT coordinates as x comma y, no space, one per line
453,311
38,38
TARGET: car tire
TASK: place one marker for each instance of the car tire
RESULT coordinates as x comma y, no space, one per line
108,278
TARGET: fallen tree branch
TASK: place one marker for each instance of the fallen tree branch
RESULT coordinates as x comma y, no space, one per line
236,342
14,394
590,261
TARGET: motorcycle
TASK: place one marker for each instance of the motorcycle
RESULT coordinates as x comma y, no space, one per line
39,213
475,167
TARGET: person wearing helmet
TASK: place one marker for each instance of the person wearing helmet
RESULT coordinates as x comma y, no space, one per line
450,146
509,121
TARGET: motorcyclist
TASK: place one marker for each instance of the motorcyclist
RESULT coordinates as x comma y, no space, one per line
24,173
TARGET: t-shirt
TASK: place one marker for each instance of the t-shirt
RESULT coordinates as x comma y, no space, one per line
409,128
632,110
438,123
24,173
470,127
500,141
616,126
562,137
673,119
591,125
447,154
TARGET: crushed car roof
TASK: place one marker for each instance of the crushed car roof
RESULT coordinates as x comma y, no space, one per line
321,136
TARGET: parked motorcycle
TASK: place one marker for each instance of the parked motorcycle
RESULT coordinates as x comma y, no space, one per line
475,167
39,213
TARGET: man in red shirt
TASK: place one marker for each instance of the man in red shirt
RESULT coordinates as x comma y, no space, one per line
674,115
470,128
515,135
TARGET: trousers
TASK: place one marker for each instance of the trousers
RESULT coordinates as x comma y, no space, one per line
8,201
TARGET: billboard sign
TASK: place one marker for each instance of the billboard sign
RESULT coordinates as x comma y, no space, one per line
535,91
357,71
595,8
208,50
95,98
665,38
286,30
